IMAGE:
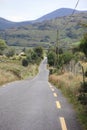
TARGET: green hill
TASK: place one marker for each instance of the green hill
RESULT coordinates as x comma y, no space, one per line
45,33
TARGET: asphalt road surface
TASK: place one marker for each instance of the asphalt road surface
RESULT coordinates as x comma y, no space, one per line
35,105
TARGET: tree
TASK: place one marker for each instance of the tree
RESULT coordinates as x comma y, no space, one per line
2,45
10,52
39,51
83,45
83,88
32,56
66,57
29,53
51,58
25,62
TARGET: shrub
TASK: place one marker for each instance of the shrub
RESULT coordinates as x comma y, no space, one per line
86,73
10,52
83,93
39,51
66,57
25,62
51,58
83,45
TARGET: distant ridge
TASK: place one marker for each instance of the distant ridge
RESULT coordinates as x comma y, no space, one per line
44,33
5,24
57,13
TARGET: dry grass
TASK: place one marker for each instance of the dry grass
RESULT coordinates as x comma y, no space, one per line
13,70
69,84
67,81
6,77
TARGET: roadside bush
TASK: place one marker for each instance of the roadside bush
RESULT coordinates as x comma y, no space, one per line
39,51
86,73
83,93
35,55
51,58
10,52
66,57
83,45
25,62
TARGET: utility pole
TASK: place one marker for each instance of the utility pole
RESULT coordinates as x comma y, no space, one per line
57,47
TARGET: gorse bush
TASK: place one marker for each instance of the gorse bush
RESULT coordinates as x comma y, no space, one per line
34,55
51,58
10,52
25,62
66,57
39,51
83,45
82,97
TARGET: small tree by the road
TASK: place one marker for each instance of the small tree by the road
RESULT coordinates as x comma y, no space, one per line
83,88
67,57
39,51
51,58
10,52
2,45
25,62
34,55
83,45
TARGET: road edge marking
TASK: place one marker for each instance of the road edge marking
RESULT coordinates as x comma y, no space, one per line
63,124
58,104
55,95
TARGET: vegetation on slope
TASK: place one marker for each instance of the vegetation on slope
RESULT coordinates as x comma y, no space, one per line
14,66
69,73
44,33
13,70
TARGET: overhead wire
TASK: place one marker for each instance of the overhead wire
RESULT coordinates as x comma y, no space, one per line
67,22
58,39
75,7
72,12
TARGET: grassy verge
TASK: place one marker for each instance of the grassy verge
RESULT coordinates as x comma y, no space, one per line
69,84
13,70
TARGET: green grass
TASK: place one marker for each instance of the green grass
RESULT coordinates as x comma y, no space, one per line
76,43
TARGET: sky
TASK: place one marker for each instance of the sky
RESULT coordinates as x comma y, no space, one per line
26,10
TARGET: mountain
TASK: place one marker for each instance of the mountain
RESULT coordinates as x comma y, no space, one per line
4,24
45,33
57,13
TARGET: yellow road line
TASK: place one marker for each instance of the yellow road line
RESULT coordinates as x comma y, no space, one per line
63,124
58,104
55,95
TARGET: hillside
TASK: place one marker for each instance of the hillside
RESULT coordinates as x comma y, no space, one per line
57,13
5,24
45,33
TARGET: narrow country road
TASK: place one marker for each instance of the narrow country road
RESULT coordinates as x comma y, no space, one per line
35,105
